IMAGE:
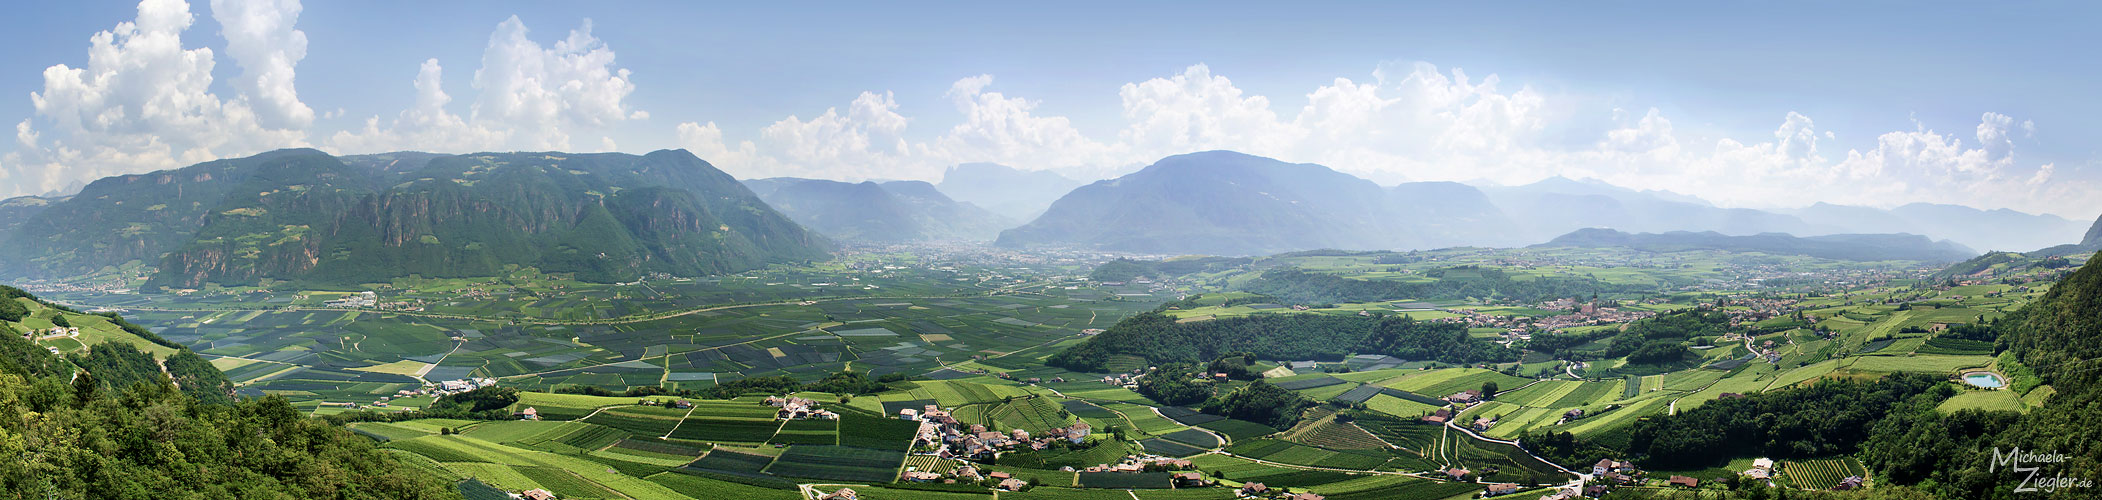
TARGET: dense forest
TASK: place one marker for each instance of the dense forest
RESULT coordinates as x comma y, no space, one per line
121,429
1661,339
1307,287
1175,384
1260,402
1820,420
1158,338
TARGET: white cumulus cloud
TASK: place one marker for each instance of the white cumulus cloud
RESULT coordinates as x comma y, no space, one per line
260,37
143,101
527,97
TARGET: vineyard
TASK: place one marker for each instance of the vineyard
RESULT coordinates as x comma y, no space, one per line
1821,474
1955,346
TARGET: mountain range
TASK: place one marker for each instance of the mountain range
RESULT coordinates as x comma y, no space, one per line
1228,203
885,212
1997,229
1855,247
301,214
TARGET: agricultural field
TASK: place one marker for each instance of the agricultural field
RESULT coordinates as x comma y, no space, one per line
543,332
1821,474
979,340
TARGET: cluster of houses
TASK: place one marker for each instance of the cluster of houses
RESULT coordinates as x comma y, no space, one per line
52,333
1465,398
1260,490
1616,471
1608,473
1124,380
1184,474
968,473
370,300
840,494
1149,463
1762,469
533,494
953,439
362,299
433,389
457,385
795,408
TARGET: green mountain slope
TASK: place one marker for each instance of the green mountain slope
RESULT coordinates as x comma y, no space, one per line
1218,203
305,215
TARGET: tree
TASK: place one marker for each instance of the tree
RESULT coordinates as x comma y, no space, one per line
1261,402
1489,389
85,388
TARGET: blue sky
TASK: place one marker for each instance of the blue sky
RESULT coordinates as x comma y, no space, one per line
1763,105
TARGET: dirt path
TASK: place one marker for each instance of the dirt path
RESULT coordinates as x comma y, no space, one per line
427,367
1223,440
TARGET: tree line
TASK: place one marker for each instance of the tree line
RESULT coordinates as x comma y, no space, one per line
1159,338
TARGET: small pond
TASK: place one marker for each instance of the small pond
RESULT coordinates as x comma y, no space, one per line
1984,379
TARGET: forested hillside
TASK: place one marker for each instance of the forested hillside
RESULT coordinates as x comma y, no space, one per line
108,424
303,215
1159,338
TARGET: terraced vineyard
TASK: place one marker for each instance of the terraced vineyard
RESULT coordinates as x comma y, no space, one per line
1821,474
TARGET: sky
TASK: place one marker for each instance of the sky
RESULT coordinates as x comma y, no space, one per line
1760,105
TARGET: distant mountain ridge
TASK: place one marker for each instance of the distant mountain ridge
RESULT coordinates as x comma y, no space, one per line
887,212
1558,205
301,214
1996,229
1215,202
2089,243
1855,247
13,211
1013,193
1228,203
